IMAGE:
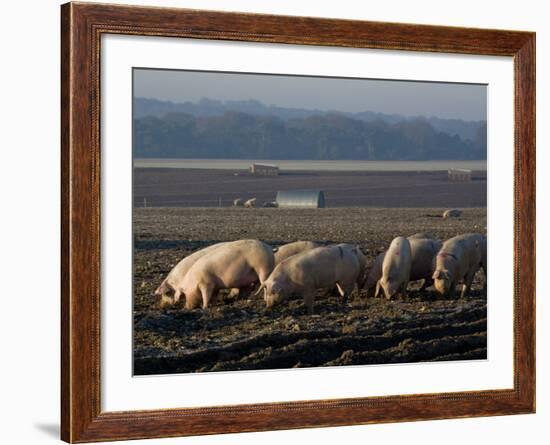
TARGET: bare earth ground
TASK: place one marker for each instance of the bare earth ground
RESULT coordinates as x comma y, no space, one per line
242,335
154,187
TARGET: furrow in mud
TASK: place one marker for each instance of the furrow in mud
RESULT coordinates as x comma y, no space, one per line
315,348
187,322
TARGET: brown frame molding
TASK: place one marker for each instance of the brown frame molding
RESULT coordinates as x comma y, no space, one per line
82,25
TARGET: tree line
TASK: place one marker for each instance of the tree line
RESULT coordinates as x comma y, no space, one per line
329,136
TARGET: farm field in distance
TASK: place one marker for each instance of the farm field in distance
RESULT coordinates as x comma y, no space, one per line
167,187
240,334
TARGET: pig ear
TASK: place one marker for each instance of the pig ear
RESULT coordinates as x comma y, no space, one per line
159,290
436,275
177,295
163,288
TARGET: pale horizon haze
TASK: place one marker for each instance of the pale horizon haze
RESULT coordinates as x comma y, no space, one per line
410,98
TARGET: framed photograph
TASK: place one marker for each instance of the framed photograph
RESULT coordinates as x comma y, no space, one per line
274,222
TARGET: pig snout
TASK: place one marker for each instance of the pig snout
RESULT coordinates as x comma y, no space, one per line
164,301
441,286
269,303
273,299
391,290
442,281
166,295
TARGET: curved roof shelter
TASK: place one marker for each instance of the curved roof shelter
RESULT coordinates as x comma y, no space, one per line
301,199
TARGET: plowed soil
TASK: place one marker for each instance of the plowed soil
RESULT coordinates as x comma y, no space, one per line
241,334
157,187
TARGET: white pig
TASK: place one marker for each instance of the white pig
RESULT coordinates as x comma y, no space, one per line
452,213
250,203
483,247
169,293
396,268
290,249
457,261
306,272
423,251
237,264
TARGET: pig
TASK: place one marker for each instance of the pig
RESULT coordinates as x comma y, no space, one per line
250,203
458,260
423,251
483,246
169,293
452,213
396,268
304,273
237,264
238,202
290,249
374,274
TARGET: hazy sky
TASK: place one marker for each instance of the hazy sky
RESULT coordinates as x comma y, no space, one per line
445,100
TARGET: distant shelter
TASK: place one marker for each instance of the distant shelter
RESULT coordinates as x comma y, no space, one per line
459,174
301,199
264,170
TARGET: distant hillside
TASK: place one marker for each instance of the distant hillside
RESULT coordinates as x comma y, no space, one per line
208,107
328,136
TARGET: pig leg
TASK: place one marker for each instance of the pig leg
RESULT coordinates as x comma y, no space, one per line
208,294
234,293
467,284
342,292
485,280
404,289
308,300
452,290
348,289
464,292
193,299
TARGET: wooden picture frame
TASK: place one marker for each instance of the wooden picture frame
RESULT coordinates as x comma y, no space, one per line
82,26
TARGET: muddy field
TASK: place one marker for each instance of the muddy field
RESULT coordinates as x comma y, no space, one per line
157,187
242,335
